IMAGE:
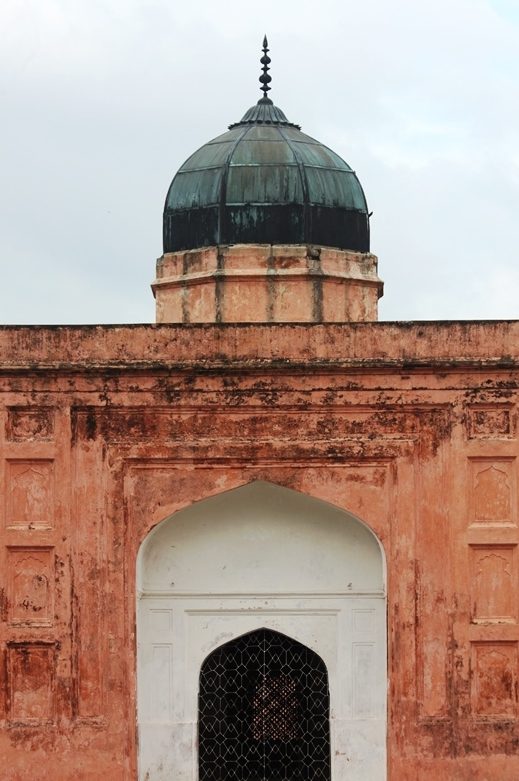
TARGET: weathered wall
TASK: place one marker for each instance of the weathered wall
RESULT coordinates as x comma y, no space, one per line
108,430
264,283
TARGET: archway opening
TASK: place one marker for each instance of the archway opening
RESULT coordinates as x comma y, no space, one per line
260,558
263,711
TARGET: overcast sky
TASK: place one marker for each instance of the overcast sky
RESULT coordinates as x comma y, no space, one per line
102,101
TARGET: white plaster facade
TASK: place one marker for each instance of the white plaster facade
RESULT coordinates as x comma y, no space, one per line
261,556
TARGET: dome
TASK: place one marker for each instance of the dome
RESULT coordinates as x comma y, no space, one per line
265,182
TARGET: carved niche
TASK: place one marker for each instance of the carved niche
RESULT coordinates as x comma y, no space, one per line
31,690
494,679
30,595
493,583
493,491
26,424
30,494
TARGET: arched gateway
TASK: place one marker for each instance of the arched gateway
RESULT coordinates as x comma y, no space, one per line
261,642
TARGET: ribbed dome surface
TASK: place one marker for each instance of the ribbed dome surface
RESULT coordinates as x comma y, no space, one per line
265,182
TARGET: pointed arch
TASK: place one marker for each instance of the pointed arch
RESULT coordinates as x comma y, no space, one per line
227,538
261,557
164,512
263,710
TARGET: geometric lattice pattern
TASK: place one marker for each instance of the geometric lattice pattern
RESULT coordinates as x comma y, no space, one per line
264,711
275,711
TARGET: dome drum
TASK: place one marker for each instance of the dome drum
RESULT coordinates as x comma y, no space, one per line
265,224
266,283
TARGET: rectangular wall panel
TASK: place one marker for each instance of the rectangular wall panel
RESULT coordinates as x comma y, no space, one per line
29,494
493,583
30,671
492,497
494,679
26,424
363,679
31,586
160,682
489,421
160,621
364,621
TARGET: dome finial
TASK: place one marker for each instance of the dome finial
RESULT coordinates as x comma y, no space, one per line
265,79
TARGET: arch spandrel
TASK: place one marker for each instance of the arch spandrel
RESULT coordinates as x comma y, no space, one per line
154,495
241,536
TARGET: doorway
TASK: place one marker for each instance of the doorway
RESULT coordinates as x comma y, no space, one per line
263,711
261,564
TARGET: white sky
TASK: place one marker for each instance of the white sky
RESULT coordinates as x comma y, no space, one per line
102,101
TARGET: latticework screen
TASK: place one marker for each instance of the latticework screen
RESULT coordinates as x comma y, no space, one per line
264,711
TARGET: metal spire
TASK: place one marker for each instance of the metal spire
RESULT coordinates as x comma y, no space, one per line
265,79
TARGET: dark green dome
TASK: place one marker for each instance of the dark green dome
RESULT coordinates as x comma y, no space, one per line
265,182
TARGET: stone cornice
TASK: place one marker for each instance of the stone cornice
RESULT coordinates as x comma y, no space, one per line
442,345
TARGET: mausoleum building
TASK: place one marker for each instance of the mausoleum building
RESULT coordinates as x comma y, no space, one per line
267,538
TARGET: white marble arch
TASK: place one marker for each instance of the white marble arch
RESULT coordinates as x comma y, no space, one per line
260,556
